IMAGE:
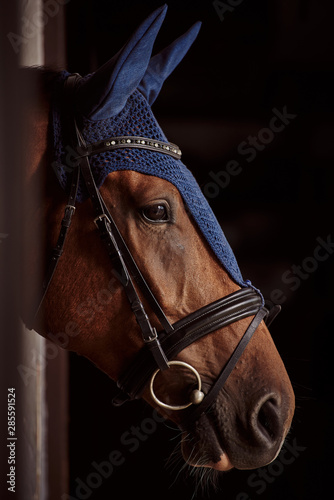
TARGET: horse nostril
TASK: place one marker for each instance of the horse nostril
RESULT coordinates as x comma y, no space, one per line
267,423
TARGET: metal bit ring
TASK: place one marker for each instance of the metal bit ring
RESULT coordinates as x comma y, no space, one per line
196,396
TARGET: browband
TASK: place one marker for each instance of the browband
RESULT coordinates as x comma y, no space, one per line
137,142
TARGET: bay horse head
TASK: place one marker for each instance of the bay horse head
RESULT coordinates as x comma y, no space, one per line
158,301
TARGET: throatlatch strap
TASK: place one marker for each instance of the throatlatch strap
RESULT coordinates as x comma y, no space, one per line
58,249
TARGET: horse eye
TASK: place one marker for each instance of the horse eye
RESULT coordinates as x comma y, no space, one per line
156,213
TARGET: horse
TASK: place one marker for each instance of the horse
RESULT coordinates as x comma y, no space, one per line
157,302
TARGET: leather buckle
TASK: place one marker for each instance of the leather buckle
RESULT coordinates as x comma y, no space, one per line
152,341
152,337
72,208
100,218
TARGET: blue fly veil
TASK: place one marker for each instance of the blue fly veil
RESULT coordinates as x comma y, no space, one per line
116,101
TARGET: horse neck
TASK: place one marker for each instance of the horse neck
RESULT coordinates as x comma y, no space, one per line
40,197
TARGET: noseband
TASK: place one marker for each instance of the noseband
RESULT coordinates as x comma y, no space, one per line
160,347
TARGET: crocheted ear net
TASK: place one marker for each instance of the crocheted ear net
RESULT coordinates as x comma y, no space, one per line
137,119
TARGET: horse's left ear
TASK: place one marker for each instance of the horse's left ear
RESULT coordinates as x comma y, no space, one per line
164,63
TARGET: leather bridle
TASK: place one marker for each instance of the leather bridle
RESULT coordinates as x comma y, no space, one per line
159,347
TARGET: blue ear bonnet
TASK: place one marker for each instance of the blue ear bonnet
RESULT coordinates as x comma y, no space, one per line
131,95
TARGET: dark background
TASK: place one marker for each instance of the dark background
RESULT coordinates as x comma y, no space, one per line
262,55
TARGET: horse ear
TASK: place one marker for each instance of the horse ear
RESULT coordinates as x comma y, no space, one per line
162,65
105,92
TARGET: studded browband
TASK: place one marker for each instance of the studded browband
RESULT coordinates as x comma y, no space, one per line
137,142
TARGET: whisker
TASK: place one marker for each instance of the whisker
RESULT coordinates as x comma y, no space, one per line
205,480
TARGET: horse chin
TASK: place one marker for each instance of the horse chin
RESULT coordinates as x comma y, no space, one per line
205,450
223,465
